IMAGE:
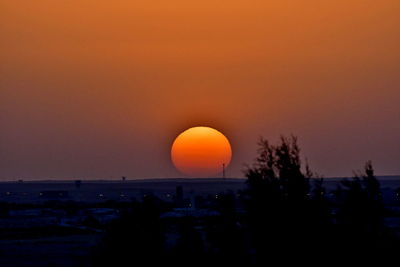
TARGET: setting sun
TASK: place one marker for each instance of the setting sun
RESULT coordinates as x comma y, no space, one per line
201,152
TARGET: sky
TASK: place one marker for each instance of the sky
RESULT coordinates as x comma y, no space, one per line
96,89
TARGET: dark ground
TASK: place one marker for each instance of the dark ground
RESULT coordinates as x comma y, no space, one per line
74,225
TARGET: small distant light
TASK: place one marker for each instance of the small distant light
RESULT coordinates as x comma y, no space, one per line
40,194
122,195
101,195
168,195
8,193
216,196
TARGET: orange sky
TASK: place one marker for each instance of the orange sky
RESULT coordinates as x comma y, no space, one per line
99,89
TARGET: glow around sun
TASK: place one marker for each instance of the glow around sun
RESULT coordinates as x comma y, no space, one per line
201,152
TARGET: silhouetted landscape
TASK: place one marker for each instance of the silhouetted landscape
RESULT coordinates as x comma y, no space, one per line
199,133
282,208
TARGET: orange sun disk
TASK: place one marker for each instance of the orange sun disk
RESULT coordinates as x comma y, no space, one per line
201,152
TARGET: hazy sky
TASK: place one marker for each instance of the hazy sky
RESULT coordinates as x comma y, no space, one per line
99,89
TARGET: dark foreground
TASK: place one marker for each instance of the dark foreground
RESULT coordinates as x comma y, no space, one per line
187,222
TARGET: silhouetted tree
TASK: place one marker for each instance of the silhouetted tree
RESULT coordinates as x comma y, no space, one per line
360,215
278,200
362,206
362,200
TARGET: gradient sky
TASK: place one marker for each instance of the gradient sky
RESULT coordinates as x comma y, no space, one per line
99,89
